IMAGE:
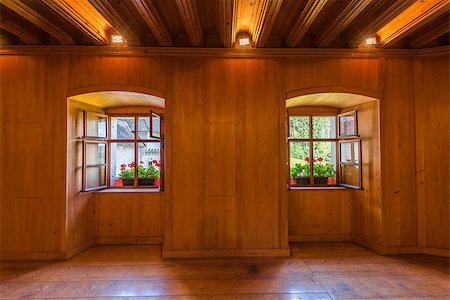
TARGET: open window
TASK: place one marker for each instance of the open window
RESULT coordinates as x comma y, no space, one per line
128,147
323,150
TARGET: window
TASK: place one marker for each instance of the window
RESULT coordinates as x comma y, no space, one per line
128,148
317,156
94,145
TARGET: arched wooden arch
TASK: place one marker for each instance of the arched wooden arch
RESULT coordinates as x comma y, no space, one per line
332,89
115,87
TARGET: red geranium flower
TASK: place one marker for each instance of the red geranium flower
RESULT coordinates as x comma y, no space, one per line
122,168
141,162
315,160
320,159
123,165
131,165
307,159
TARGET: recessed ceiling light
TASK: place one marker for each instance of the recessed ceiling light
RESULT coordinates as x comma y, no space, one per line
371,40
117,39
244,41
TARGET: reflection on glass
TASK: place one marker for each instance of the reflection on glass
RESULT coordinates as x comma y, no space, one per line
299,127
95,176
95,153
349,175
144,128
324,127
122,128
122,164
346,152
300,167
156,126
96,125
324,163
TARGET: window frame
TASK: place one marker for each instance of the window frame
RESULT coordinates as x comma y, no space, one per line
337,140
136,142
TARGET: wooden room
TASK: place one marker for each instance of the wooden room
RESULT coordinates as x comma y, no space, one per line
229,149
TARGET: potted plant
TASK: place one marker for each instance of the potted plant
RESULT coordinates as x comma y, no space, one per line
146,176
322,171
300,173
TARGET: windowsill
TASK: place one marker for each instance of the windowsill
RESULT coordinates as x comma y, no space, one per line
131,190
317,188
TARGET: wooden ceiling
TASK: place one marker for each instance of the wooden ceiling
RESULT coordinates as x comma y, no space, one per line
215,23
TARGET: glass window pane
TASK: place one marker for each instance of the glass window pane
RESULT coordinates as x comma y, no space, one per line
122,164
346,152
95,176
96,125
349,174
149,163
122,128
156,126
324,127
299,127
95,153
324,163
144,128
356,151
299,158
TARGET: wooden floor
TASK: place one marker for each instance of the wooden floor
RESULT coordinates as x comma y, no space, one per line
314,271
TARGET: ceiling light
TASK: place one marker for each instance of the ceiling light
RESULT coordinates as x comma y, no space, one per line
117,39
243,39
371,40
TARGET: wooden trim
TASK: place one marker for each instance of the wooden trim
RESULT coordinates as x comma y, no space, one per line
80,248
227,11
212,52
31,256
226,253
320,238
265,20
150,240
333,89
436,251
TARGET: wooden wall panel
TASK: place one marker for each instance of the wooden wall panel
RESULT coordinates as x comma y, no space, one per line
354,74
398,153
366,218
123,217
222,159
33,95
92,71
319,215
432,150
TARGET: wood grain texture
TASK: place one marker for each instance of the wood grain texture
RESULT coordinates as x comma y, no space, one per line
189,15
398,153
315,215
432,148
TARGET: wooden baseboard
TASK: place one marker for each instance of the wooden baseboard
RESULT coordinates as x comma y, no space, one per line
77,250
320,238
32,256
400,250
130,240
226,253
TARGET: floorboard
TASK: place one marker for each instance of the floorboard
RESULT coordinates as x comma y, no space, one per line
314,271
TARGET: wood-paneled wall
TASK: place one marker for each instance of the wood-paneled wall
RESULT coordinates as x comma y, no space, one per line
432,151
243,100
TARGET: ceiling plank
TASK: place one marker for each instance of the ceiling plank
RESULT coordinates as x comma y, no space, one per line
82,15
307,17
105,8
265,20
26,12
8,23
351,11
227,13
380,20
432,34
154,22
416,16
191,20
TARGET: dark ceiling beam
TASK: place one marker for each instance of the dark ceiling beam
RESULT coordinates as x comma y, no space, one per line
265,19
413,18
379,21
105,8
432,34
32,16
191,20
307,17
84,17
150,15
227,11
26,36
350,12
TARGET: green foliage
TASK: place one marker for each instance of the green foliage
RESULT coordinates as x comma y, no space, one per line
143,173
323,170
300,170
